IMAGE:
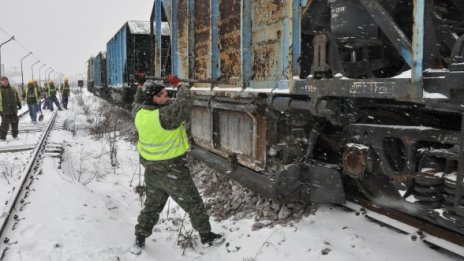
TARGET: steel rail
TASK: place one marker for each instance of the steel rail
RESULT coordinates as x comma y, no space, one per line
20,115
418,229
10,206
26,111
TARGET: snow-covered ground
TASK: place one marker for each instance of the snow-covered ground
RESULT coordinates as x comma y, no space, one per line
11,163
86,209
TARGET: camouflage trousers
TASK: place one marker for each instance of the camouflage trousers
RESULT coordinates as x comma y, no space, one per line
7,120
170,178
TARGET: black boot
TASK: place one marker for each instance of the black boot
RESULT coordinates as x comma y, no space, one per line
211,238
138,246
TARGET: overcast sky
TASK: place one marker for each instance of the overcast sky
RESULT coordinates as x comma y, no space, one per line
62,34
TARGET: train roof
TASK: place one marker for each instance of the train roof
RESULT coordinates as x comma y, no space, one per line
143,27
139,27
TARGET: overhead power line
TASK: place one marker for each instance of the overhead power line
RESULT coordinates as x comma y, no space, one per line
19,43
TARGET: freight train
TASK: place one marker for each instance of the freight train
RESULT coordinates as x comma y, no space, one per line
308,99
128,51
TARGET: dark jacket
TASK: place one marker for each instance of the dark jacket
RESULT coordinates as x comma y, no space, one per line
51,90
31,94
65,89
10,101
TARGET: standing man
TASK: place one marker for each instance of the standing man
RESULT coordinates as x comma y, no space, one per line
65,93
52,96
39,90
9,105
162,145
45,96
31,95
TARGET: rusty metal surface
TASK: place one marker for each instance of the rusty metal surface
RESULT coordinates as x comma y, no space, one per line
266,42
229,39
236,133
183,37
202,48
403,178
243,133
428,178
231,132
270,31
201,126
261,142
355,162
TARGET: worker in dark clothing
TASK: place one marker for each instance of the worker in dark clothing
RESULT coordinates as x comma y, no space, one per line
65,89
39,89
162,145
45,96
9,105
52,96
31,95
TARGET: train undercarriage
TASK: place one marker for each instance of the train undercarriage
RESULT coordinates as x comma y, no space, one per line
398,155
354,122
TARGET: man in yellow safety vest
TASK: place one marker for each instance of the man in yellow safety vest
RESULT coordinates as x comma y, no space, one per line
162,145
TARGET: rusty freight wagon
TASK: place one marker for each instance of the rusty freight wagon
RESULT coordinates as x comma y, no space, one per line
307,100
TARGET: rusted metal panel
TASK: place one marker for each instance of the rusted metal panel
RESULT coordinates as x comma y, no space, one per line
202,48
236,132
229,39
244,134
245,42
174,40
261,141
266,39
183,38
225,131
296,39
201,126
214,62
156,20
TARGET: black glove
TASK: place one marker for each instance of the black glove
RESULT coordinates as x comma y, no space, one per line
19,106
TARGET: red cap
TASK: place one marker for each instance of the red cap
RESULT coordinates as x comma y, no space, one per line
173,80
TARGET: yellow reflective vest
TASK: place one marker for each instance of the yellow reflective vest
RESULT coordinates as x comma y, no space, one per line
156,143
51,90
36,94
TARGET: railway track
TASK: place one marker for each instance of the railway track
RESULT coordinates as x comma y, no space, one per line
22,114
422,230
26,112
10,214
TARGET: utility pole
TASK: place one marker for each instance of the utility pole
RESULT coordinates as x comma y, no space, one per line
40,69
45,75
22,76
50,72
1,66
32,68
